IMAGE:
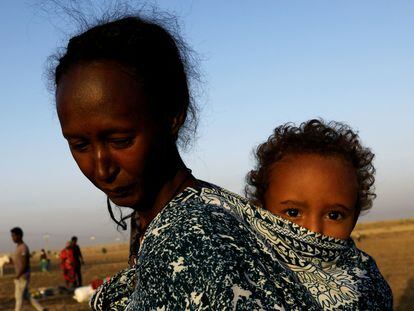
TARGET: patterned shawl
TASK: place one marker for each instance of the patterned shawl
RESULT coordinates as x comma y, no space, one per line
209,249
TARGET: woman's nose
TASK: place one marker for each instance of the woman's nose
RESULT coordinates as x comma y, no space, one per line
105,168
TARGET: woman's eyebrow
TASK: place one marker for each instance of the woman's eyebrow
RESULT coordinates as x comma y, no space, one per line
69,135
117,130
105,132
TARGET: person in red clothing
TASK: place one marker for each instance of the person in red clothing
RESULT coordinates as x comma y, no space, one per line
67,265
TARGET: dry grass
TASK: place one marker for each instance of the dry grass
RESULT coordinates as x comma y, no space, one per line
391,243
98,266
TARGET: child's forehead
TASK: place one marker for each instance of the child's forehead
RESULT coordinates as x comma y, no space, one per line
313,158
296,170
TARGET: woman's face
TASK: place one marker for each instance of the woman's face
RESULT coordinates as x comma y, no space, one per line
316,192
112,136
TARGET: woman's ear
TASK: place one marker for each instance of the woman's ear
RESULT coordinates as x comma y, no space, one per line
176,124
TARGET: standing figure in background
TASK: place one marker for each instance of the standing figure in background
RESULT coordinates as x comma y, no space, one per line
21,262
67,265
77,254
44,261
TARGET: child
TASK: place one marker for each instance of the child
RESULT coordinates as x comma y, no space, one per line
317,175
315,180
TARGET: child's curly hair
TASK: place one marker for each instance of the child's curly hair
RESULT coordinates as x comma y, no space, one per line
315,137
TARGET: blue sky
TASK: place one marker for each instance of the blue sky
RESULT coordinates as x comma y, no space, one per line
264,63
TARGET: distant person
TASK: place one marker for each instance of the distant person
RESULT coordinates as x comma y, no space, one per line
77,254
21,262
67,264
317,178
44,261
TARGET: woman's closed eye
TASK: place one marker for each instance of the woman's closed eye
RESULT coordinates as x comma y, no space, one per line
122,142
78,145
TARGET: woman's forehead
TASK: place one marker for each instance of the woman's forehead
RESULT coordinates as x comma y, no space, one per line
101,87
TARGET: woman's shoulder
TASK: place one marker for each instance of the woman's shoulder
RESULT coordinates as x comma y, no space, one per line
202,212
196,226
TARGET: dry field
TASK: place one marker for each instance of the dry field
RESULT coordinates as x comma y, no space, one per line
97,266
391,243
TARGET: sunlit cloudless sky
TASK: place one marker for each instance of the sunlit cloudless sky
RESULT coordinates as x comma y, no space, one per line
264,63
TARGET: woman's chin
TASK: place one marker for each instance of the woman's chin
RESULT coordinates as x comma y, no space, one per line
126,201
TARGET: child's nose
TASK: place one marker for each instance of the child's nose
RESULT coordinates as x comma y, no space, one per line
315,224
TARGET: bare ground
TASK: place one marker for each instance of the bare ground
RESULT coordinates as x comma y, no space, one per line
392,246
98,265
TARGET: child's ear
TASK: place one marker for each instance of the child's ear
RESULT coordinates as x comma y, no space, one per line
356,216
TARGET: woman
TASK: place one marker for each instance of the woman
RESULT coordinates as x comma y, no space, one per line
67,264
123,102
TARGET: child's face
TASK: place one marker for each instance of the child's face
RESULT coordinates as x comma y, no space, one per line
314,191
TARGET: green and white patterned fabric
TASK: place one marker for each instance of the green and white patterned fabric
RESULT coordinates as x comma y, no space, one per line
209,249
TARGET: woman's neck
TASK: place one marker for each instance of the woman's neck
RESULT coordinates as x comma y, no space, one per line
180,178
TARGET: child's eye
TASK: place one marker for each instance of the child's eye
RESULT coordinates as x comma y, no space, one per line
292,212
335,215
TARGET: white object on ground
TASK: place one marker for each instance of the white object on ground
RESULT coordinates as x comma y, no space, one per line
3,260
83,294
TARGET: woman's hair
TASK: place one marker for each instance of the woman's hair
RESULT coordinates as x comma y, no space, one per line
313,137
158,60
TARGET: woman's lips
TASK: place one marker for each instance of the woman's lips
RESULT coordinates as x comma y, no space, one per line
118,191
